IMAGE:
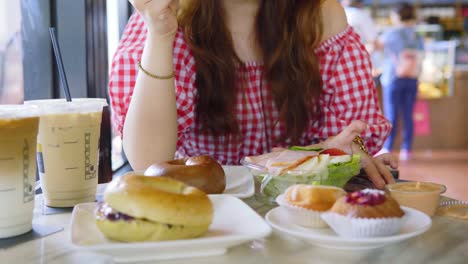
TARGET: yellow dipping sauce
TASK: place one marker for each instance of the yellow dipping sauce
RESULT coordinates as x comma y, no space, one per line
422,196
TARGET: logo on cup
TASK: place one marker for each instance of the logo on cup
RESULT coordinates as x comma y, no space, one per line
90,170
28,190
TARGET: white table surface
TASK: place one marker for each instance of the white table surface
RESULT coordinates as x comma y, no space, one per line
445,242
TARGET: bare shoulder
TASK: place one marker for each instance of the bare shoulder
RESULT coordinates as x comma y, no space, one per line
334,18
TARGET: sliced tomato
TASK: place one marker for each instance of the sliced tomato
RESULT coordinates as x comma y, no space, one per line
333,152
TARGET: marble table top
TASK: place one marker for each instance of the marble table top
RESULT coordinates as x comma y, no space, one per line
445,242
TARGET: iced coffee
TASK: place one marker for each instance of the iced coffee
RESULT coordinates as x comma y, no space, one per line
68,150
18,133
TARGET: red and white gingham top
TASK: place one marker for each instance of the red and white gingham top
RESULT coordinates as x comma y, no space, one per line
348,94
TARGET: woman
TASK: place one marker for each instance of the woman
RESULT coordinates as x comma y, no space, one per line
400,90
250,75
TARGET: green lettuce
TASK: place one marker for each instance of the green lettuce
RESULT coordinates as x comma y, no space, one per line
305,148
337,175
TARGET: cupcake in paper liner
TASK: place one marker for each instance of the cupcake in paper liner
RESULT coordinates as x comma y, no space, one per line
366,213
304,204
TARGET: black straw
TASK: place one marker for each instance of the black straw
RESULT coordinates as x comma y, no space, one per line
58,60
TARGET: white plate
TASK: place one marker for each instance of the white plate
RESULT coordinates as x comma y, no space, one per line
234,223
415,224
239,183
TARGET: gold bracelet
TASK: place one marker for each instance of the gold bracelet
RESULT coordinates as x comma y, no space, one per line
360,143
159,77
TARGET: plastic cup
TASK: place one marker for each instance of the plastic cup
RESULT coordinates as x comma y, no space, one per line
18,133
422,196
68,149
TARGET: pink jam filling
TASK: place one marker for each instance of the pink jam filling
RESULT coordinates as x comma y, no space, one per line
366,197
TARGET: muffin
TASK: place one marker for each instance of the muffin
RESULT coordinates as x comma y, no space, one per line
365,213
305,203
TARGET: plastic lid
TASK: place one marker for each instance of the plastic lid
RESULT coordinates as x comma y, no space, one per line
18,111
455,209
61,106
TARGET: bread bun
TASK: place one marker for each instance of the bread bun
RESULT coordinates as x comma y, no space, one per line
140,208
367,203
201,172
313,197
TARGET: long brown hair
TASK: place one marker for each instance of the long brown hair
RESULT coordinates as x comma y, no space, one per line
287,32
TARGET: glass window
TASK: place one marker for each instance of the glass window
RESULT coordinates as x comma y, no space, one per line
25,41
117,15
11,65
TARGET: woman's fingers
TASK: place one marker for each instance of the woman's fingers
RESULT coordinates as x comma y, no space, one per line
377,170
355,128
372,171
388,159
384,171
160,15
344,139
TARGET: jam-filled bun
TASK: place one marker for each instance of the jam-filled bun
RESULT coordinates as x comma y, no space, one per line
366,213
367,203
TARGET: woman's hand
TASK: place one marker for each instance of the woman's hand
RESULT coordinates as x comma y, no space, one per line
160,15
375,167
377,170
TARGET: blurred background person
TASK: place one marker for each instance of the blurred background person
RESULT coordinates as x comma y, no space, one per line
402,47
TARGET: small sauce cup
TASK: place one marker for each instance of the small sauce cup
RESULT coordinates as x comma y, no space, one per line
422,196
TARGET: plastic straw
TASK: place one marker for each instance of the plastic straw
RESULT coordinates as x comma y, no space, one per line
58,60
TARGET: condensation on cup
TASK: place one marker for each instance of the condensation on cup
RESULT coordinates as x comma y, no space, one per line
68,150
18,133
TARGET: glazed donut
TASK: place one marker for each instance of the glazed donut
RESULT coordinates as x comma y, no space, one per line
140,208
202,172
